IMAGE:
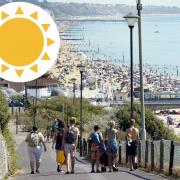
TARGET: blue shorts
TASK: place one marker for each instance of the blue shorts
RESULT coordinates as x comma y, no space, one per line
112,148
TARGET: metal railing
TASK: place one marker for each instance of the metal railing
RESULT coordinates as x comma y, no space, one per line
162,156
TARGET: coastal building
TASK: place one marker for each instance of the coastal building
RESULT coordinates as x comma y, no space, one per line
120,97
45,85
178,84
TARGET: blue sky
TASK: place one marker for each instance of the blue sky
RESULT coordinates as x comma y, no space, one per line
131,2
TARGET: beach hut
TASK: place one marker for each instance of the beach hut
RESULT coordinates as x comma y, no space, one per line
120,97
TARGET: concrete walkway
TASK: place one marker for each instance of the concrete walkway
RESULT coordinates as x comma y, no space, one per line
48,167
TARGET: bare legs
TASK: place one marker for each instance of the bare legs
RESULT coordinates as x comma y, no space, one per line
97,166
131,162
111,160
72,164
37,165
32,164
70,160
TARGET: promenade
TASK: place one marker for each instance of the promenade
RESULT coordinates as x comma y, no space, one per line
48,167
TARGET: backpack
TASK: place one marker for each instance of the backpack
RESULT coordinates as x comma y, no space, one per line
69,136
34,139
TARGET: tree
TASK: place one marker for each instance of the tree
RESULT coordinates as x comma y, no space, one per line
4,115
155,127
56,105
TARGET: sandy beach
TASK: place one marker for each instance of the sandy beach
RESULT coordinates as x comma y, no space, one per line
107,77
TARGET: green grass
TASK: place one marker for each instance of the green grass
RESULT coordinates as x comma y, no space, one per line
14,160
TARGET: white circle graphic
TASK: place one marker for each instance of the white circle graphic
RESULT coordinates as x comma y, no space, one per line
29,41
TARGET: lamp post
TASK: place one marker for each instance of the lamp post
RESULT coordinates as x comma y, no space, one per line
131,20
25,96
74,89
143,133
81,68
35,106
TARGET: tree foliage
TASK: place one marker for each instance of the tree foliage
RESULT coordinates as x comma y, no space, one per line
155,127
53,108
4,115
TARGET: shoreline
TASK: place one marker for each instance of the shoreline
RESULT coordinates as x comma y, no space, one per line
101,71
117,18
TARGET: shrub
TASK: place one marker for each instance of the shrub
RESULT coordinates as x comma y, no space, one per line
4,115
14,163
155,127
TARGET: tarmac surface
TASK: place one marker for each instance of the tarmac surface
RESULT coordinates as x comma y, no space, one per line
82,168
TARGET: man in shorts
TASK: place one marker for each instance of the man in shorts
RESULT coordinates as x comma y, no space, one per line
35,140
70,141
132,137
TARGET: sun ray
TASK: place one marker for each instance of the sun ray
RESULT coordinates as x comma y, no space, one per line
19,72
45,26
4,15
49,41
19,11
3,68
35,68
45,57
34,15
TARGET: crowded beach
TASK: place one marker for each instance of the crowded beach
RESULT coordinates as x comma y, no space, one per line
102,79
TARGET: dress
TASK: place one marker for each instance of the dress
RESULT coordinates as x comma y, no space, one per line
112,142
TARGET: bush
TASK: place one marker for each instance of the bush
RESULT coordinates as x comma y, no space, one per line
4,115
14,163
53,108
155,127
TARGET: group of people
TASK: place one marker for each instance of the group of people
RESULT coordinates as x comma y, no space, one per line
64,138
104,149
103,146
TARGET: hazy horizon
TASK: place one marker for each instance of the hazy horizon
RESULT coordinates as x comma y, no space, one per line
128,2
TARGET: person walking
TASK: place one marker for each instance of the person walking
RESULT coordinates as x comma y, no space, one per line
96,141
112,145
35,140
132,137
57,141
70,142
47,133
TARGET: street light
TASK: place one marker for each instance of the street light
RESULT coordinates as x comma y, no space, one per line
131,20
143,133
81,68
35,106
74,89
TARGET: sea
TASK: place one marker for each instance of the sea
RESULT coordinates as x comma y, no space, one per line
110,40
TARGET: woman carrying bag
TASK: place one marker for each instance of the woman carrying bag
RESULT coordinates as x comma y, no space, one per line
57,142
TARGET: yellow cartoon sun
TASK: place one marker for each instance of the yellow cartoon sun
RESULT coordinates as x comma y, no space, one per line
24,41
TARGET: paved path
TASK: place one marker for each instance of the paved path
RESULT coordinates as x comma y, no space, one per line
48,168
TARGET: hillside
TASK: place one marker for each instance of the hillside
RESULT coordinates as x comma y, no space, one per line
77,9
